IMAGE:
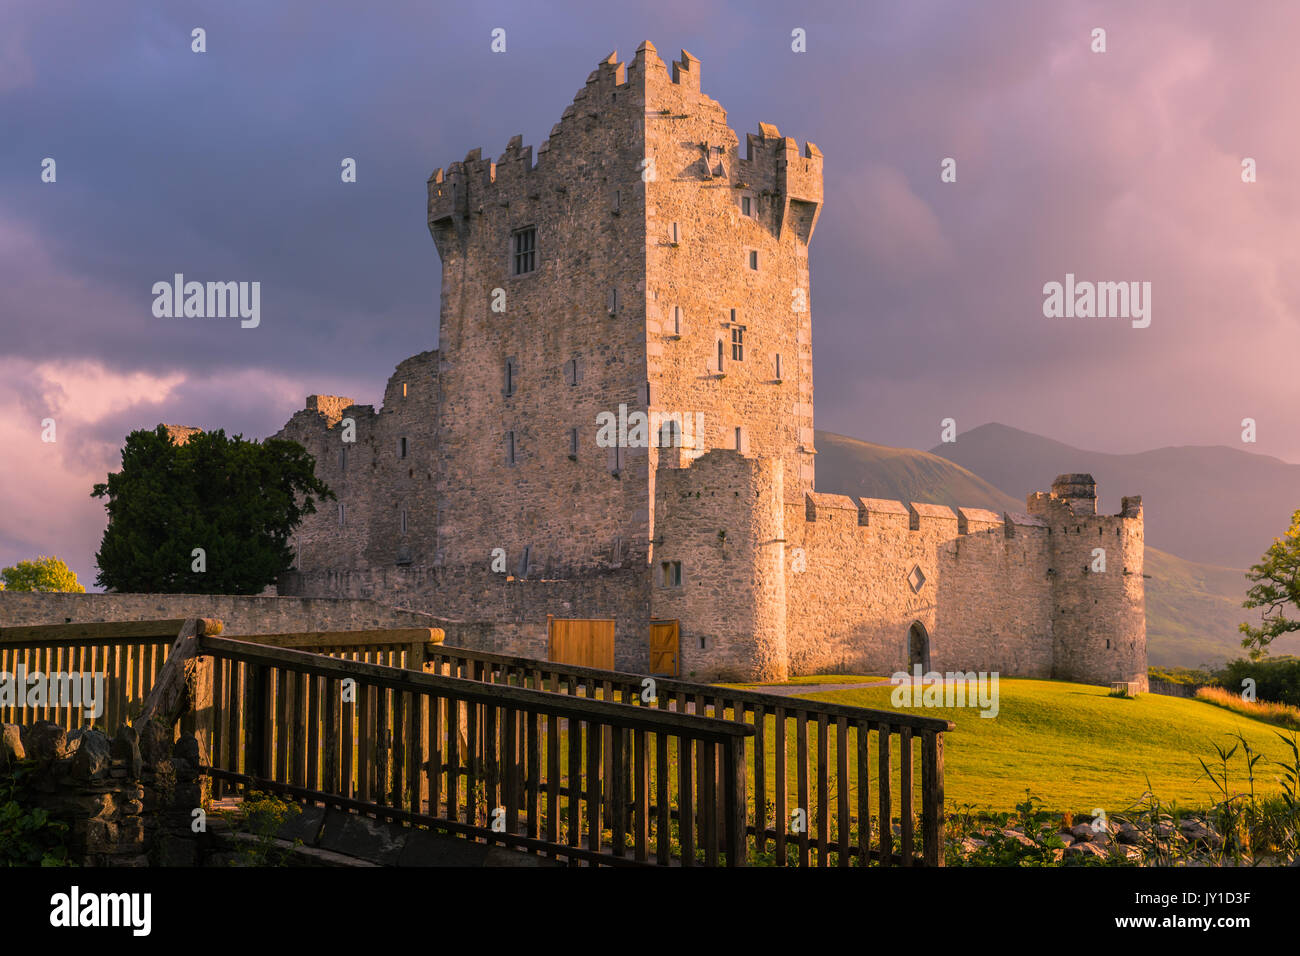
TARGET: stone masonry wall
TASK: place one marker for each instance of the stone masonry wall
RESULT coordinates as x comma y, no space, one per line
128,800
240,614
569,511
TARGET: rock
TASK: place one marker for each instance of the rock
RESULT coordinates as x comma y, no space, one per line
1197,833
970,845
1083,850
1128,833
93,758
46,740
155,743
11,744
1018,837
1125,851
126,746
1082,832
1067,837
187,749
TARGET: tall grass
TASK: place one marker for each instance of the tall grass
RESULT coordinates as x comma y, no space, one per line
1282,715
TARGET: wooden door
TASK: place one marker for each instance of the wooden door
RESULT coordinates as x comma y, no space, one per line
664,641
583,643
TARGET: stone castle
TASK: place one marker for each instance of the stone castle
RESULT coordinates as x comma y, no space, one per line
618,425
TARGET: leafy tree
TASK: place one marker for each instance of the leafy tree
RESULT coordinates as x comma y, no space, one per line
239,501
43,574
1277,584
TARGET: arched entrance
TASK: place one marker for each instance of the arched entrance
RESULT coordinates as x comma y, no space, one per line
918,647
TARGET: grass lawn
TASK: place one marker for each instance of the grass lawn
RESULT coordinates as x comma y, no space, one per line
1077,749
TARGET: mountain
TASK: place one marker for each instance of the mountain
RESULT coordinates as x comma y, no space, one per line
1210,504
850,467
1193,608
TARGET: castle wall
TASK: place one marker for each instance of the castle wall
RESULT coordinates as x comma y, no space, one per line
240,614
495,612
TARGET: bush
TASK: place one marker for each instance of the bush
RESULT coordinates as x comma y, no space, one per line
1276,679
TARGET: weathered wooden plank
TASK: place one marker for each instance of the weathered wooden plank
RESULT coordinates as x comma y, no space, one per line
905,792
687,820
663,782
374,640
781,785
594,796
105,632
932,797
864,793
823,791
804,807
886,814
842,789
734,769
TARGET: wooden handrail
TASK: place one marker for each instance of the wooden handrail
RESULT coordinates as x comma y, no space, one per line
674,686
396,678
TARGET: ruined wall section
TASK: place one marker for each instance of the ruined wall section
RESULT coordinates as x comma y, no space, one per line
557,511
384,480
702,247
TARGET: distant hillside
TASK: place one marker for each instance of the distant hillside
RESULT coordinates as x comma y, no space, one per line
1212,504
847,466
1192,609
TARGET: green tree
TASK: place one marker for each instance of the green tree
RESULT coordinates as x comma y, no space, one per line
238,501
1277,585
43,574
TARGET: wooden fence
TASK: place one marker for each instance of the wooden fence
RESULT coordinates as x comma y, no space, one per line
851,771
386,741
128,656
590,765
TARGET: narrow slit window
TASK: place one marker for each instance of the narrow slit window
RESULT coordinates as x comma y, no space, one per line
719,369
510,448
403,521
573,444
401,447
510,377
778,366
677,320
753,259
342,515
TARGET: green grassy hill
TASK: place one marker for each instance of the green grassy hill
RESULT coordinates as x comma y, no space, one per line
847,466
1078,749
1192,609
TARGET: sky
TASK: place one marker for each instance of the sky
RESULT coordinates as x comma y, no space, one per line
927,296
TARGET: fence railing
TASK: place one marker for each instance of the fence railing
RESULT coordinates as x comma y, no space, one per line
126,655
509,765
828,783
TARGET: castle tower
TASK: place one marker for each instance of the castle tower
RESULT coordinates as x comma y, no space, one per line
1099,613
640,267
